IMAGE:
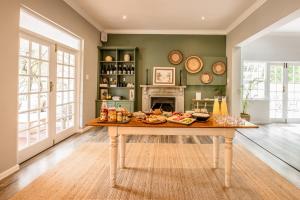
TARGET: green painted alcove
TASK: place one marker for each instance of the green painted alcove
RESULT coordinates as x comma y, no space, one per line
153,51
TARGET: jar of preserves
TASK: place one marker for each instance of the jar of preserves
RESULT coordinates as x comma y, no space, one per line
112,115
119,116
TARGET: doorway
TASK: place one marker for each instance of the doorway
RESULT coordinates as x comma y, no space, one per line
284,90
47,104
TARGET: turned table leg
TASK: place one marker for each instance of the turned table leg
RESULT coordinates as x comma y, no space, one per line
113,154
215,151
122,150
228,161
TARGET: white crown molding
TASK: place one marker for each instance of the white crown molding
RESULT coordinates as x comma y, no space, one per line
245,15
8,172
170,32
84,14
232,26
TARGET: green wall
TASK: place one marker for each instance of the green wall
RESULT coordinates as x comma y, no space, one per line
153,51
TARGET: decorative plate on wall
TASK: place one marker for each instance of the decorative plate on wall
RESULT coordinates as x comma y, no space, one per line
175,57
193,64
219,68
206,78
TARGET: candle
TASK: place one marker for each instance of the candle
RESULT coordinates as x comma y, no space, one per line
146,76
180,77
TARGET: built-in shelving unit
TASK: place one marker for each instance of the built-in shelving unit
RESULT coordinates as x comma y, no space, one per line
116,77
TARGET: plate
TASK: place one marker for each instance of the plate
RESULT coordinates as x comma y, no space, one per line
193,64
206,78
157,122
219,68
175,57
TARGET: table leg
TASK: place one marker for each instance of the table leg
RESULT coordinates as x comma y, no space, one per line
228,161
215,151
113,154
122,150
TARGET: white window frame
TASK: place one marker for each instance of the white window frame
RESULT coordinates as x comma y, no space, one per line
266,74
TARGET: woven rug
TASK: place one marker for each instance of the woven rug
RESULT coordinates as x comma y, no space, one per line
158,171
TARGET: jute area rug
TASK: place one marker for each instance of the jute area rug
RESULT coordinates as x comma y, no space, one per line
159,171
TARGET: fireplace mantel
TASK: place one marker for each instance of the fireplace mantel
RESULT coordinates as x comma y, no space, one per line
162,91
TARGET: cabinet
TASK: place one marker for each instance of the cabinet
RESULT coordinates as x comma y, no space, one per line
116,77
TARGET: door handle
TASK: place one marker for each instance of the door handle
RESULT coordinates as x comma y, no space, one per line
51,86
283,89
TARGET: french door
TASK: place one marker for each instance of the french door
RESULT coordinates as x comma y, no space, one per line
284,92
47,98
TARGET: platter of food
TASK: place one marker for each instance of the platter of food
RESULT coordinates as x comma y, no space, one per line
154,119
181,118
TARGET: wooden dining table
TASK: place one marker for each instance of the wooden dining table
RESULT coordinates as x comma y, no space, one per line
137,127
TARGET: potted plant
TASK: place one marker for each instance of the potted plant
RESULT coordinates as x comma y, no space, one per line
245,99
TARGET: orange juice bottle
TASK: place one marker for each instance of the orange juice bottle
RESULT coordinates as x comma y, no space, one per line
216,107
224,110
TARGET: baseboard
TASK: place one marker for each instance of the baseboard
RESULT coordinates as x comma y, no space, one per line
9,172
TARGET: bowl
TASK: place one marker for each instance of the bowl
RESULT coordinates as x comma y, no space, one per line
201,117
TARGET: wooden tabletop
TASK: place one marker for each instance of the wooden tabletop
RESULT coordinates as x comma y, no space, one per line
134,122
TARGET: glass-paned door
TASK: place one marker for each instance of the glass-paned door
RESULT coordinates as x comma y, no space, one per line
285,92
276,90
33,93
46,95
65,91
293,101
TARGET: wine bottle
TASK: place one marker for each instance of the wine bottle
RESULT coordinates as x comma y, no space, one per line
115,69
124,69
120,69
103,69
111,69
107,69
132,69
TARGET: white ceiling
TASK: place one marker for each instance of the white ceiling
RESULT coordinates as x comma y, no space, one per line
291,27
171,16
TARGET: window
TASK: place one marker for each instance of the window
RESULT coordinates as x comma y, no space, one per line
254,79
40,26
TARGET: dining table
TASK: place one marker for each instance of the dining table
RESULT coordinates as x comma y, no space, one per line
137,127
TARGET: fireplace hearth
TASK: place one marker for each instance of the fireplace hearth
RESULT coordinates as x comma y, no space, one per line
168,98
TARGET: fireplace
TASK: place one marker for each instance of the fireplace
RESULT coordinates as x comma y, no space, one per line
169,98
164,103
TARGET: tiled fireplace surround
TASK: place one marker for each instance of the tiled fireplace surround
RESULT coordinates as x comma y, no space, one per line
150,91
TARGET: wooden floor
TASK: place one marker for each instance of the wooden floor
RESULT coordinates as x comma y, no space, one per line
48,159
158,171
281,140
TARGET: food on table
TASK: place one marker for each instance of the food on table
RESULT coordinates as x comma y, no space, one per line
154,119
181,119
157,112
201,116
167,114
139,115
112,115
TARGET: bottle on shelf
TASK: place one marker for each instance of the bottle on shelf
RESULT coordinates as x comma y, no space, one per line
124,69
107,69
115,69
120,69
111,69
124,82
132,69
103,69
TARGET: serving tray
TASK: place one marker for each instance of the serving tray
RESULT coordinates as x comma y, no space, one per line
181,122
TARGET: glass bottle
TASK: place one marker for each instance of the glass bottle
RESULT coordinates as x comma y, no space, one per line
111,69
224,110
216,107
124,69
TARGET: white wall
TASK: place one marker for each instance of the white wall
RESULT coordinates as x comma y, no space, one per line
59,12
9,42
273,12
282,48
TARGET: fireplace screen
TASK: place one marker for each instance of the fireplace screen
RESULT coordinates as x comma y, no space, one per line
164,103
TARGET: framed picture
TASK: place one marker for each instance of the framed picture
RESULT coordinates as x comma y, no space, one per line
131,94
103,94
164,76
